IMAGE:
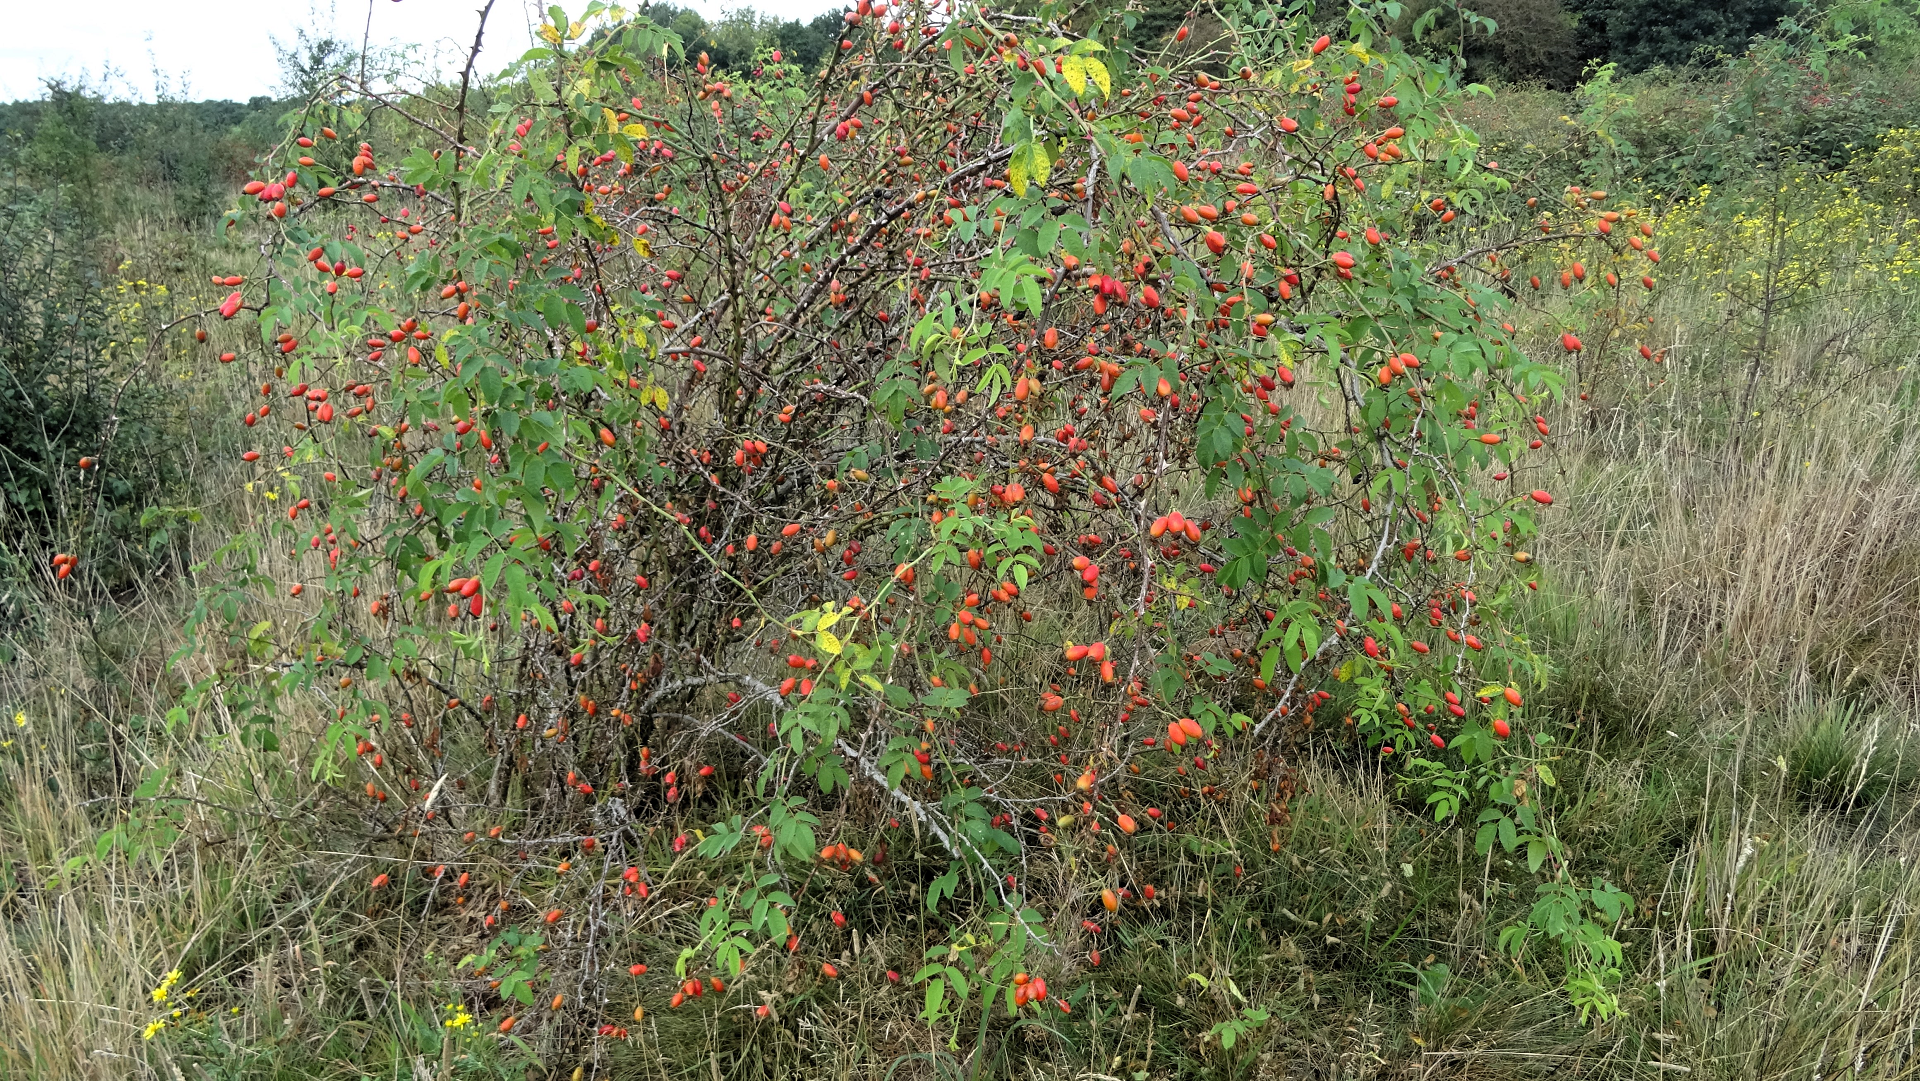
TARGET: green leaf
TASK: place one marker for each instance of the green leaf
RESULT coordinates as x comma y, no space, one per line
945,885
151,786
944,698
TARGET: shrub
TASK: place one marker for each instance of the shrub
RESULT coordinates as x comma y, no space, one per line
83,438
719,450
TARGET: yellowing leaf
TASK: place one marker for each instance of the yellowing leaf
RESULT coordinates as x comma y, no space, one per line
1039,167
637,131
1075,70
828,643
549,34
828,617
1098,73
1029,164
640,245
613,121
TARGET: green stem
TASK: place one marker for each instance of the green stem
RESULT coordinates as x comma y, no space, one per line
980,1041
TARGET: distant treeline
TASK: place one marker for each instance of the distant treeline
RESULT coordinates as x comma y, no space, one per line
190,153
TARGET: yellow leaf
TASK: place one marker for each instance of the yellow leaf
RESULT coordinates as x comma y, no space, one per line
1039,167
828,617
660,397
613,122
640,245
549,34
1098,73
828,643
1075,70
1017,171
637,131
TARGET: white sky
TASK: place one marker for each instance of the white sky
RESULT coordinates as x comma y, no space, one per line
224,49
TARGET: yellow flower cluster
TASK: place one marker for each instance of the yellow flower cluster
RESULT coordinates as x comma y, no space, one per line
1852,231
160,995
167,984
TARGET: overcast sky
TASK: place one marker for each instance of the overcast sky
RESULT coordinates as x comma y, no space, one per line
224,49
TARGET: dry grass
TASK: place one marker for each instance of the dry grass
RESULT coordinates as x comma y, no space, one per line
1785,565
1726,613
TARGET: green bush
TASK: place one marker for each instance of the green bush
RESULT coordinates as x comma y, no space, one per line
75,339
